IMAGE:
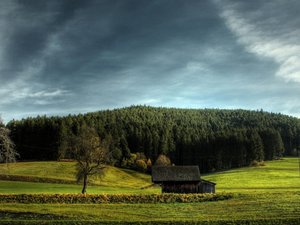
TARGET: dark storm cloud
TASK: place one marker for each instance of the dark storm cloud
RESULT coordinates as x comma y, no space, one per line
79,50
123,35
64,56
29,26
135,40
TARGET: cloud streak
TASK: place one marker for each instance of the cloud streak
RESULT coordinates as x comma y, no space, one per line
261,39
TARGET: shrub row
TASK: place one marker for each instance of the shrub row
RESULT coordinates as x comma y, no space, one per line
35,179
290,221
111,198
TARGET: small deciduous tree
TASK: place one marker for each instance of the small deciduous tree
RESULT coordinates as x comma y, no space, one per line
163,160
90,152
7,151
149,165
141,165
129,162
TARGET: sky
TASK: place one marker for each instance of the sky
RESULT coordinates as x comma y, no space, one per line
63,57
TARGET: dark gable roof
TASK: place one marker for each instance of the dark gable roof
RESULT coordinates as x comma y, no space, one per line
207,182
175,173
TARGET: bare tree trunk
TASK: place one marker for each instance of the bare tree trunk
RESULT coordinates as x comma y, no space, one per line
85,181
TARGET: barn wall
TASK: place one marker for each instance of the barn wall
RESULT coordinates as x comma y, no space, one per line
180,187
207,188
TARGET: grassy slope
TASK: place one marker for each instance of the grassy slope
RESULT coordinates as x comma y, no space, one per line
17,187
275,176
268,192
60,170
115,180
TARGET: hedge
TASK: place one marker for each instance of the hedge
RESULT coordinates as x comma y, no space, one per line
111,198
291,221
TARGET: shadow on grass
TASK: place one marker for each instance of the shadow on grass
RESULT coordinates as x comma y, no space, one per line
7,215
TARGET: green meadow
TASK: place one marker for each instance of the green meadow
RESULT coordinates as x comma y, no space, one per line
268,194
276,176
114,180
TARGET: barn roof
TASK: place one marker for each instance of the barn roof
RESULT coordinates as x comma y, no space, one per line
175,173
207,181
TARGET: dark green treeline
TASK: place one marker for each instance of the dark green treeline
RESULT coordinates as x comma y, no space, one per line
212,138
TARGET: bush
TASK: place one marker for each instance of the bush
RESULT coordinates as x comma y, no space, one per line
290,221
137,161
257,163
141,156
149,165
163,160
141,165
249,221
130,162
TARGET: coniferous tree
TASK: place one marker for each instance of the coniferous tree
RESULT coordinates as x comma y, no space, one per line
211,138
255,146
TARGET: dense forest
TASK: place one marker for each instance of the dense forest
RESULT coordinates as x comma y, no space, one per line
214,139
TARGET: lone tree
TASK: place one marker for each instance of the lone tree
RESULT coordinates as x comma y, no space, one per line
7,151
90,153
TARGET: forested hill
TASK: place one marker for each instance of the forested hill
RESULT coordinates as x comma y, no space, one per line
212,138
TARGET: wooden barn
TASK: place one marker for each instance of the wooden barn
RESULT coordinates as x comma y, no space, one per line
181,179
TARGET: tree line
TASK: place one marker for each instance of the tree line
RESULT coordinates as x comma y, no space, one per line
214,139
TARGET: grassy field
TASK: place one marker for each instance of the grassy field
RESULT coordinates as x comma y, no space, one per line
263,195
17,187
276,176
245,207
114,181
65,171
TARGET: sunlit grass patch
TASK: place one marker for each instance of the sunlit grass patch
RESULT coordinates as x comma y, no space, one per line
276,176
113,177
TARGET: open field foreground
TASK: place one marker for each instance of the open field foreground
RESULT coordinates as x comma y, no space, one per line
261,195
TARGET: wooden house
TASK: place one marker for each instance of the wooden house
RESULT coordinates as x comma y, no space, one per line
181,179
